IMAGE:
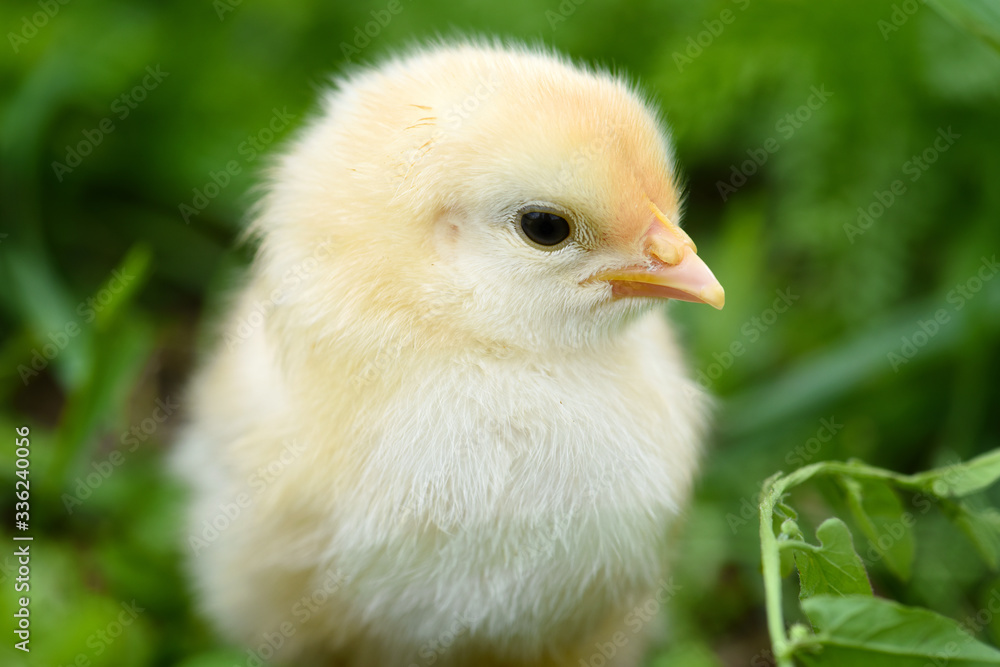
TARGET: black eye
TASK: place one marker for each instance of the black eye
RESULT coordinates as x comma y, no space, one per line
544,228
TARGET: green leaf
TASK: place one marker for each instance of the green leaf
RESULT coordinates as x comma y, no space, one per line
961,479
833,568
787,561
979,17
870,631
48,309
123,283
879,513
119,360
786,511
117,355
981,526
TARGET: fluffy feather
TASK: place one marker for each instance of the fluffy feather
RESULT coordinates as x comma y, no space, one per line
440,430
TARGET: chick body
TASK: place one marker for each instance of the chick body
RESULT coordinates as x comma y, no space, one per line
446,446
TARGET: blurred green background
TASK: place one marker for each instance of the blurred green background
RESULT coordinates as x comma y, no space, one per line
842,163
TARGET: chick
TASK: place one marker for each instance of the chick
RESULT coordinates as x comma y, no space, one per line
447,422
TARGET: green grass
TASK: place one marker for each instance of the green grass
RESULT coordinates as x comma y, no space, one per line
859,298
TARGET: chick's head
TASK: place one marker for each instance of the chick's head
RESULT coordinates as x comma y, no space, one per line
499,192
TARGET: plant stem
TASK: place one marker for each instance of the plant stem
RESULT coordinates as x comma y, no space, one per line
771,562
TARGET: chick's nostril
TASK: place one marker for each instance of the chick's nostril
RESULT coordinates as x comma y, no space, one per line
665,240
670,251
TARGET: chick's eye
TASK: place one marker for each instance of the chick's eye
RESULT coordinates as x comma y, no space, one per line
544,228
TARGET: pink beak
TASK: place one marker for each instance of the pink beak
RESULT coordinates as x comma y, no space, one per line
672,269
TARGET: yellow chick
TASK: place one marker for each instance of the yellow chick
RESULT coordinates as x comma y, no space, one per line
447,423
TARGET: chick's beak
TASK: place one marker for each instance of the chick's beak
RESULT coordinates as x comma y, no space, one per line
672,269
